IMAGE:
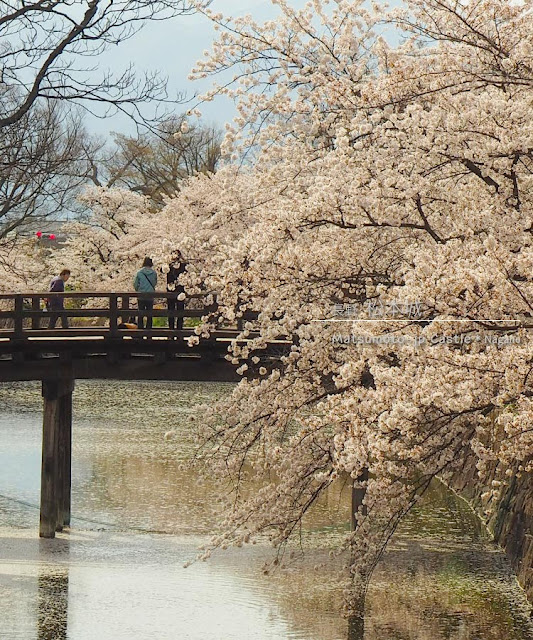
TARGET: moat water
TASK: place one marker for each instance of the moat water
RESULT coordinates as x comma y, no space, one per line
138,517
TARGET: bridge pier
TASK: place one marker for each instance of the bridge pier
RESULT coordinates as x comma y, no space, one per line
56,456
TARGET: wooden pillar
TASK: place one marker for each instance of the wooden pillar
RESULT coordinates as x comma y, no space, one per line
358,495
36,308
18,326
125,308
56,456
113,314
64,460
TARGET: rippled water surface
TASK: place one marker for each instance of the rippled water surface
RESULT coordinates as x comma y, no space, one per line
138,517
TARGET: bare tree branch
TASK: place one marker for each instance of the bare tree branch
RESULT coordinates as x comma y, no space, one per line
41,41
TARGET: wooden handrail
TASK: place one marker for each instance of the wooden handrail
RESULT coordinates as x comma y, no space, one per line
115,307
99,294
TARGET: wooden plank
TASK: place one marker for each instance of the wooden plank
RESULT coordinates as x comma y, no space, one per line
99,294
78,347
106,313
193,369
87,342
71,313
63,334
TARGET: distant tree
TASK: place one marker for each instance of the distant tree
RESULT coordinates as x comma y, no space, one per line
42,165
155,163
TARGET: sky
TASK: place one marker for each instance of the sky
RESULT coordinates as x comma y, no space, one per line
172,47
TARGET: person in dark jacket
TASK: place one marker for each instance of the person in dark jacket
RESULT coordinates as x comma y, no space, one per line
57,285
145,282
177,267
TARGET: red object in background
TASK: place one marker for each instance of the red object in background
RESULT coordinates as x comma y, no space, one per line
39,234
52,236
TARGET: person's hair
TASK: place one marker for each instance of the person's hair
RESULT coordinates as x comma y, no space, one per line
148,262
65,272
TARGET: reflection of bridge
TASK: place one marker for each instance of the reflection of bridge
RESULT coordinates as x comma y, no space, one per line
107,351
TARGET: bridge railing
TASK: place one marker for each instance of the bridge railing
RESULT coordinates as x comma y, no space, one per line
23,314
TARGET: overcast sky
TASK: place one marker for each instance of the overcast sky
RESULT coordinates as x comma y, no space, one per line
172,47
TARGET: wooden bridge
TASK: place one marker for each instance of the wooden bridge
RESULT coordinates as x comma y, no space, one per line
98,345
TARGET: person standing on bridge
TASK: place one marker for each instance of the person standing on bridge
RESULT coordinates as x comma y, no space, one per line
145,282
57,285
177,267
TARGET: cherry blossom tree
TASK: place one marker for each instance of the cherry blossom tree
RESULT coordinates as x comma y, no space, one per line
382,225
391,176
47,82
104,250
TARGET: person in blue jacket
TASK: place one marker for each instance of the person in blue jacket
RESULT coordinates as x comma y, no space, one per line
145,282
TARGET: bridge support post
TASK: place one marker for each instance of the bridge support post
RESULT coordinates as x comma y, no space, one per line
65,459
358,495
56,456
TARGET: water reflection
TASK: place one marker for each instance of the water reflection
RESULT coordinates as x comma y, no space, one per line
120,489
52,604
442,578
52,563
356,628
